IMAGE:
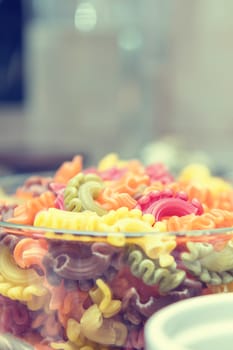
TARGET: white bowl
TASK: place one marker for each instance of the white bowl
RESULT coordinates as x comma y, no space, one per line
200,323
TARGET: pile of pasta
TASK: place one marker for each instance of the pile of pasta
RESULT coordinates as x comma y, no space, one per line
87,255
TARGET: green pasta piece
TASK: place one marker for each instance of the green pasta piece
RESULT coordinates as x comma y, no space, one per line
152,273
87,192
80,192
210,266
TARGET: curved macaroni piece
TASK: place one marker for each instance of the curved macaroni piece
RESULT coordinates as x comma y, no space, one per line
211,266
87,192
135,309
68,170
110,199
26,212
113,221
102,296
152,274
80,335
81,262
199,174
111,160
80,192
29,251
16,283
11,272
73,306
214,218
62,219
130,183
36,303
100,330
76,267
47,325
158,246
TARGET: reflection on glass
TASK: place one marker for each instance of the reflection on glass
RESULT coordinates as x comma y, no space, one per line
85,17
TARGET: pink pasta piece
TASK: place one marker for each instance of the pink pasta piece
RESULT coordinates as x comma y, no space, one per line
159,172
165,203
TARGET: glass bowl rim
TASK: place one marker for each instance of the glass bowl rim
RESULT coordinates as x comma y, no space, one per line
17,180
60,231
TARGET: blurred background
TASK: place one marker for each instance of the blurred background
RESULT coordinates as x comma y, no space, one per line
149,79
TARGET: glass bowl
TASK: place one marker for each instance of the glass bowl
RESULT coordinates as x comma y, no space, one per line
74,289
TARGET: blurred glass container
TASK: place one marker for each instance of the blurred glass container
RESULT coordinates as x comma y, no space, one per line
92,70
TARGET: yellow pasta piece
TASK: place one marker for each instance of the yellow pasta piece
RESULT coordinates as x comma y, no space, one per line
116,239
39,302
198,174
119,221
62,219
100,330
12,272
102,296
158,246
17,283
111,160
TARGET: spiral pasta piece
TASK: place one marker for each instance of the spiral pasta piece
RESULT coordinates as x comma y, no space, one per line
211,266
68,169
110,199
214,218
111,245
132,220
26,212
152,274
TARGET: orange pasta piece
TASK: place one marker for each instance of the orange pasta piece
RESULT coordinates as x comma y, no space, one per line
136,167
68,169
225,201
25,196
25,213
204,195
48,324
176,223
221,288
130,183
109,199
155,186
73,306
214,218
57,295
203,222
29,252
